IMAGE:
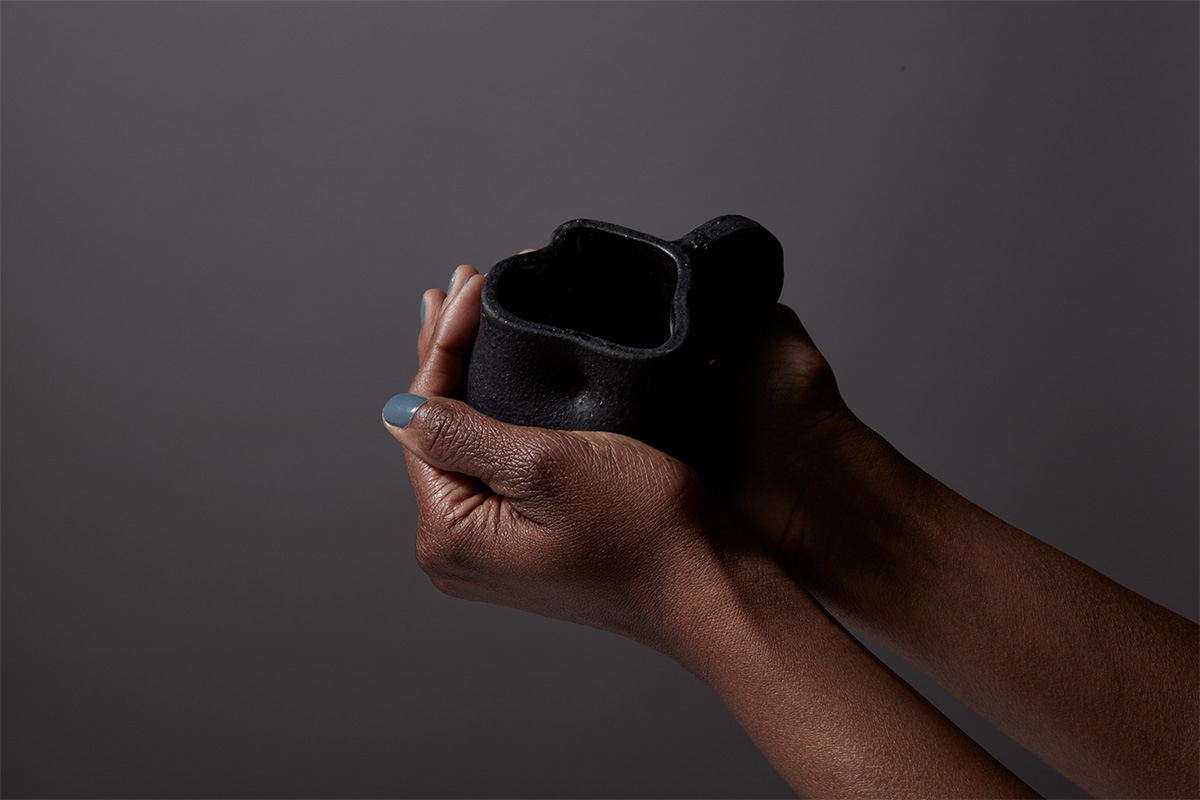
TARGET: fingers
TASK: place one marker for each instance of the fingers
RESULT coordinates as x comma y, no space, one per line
462,273
431,308
432,303
450,436
444,343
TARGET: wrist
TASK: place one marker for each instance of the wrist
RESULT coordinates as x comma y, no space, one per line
857,512
839,474
730,603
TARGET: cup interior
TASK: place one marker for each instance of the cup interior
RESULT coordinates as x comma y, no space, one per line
598,283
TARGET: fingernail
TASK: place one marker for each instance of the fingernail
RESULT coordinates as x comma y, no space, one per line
400,409
450,288
422,309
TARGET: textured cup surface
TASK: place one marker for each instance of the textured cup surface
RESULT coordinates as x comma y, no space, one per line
609,329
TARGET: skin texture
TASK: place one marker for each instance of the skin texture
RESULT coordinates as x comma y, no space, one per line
1096,680
603,530
806,518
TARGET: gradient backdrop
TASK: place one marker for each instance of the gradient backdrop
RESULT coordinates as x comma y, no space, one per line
218,219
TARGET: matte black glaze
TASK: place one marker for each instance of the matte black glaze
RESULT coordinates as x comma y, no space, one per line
609,329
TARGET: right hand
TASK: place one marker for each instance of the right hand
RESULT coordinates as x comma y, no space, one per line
787,432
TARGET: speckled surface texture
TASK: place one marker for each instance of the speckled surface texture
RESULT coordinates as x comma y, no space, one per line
610,329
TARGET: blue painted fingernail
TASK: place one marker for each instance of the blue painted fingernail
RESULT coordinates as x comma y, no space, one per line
422,309
400,409
451,286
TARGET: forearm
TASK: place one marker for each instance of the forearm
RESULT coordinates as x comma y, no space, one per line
833,720
1096,680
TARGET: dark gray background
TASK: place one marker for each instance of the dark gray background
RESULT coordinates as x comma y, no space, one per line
218,220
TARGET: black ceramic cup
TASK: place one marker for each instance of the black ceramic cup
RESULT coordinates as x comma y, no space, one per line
609,329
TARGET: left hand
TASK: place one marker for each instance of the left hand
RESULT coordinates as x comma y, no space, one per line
594,528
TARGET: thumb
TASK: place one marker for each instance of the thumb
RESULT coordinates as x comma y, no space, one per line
449,435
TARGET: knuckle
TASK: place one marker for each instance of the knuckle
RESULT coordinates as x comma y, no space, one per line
538,464
534,460
444,429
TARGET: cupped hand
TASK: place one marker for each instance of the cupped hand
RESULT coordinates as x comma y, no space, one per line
594,528
785,435
603,530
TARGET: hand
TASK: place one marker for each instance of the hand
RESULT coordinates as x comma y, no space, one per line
603,530
786,427
594,528
1002,620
